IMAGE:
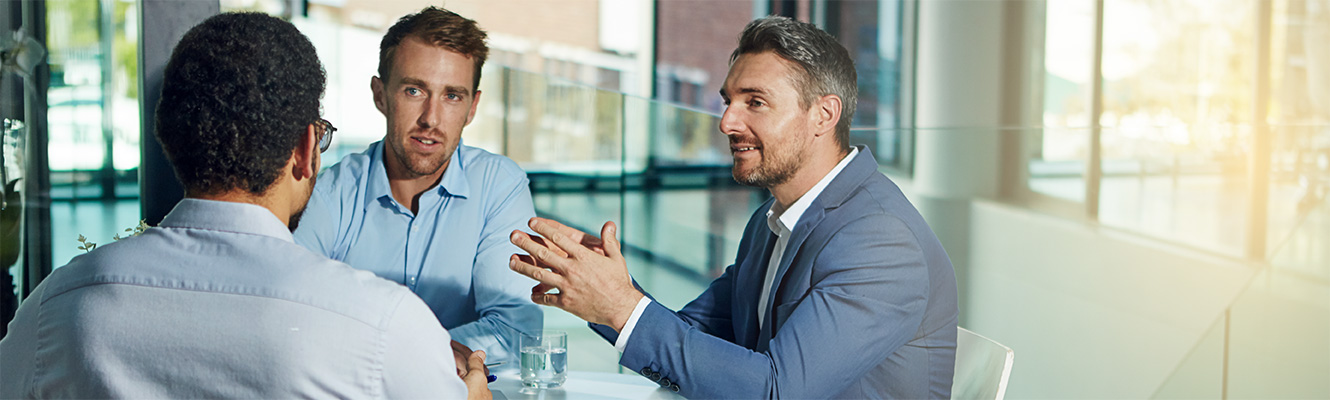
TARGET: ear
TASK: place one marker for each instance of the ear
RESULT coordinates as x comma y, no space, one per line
475,100
306,155
376,86
825,113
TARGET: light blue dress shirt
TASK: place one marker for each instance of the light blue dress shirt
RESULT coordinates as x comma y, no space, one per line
218,302
453,253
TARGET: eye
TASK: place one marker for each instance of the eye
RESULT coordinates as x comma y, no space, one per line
454,96
413,91
756,103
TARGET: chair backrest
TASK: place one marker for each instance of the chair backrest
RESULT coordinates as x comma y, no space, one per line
982,367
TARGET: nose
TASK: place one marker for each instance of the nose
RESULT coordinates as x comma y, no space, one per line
729,122
429,115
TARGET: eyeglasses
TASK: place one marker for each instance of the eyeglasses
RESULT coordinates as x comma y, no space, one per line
325,131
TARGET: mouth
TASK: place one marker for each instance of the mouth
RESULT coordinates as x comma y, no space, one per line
425,141
741,150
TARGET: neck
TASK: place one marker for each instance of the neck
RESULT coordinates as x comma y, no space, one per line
813,170
406,186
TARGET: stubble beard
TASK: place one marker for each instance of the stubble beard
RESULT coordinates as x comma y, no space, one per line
294,221
419,165
772,171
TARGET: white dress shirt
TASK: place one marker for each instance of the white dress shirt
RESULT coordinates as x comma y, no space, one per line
218,302
781,222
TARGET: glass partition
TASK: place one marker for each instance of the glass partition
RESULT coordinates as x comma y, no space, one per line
1188,183
92,121
1272,340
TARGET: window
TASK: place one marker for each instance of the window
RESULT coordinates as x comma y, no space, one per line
1183,125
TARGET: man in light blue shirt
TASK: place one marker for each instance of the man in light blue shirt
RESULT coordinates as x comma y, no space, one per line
424,210
218,301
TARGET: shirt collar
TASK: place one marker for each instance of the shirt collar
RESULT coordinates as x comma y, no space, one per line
454,180
226,216
782,222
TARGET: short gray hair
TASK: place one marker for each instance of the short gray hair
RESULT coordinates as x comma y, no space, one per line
825,64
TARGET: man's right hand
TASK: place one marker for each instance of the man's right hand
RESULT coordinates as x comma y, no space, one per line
590,273
476,379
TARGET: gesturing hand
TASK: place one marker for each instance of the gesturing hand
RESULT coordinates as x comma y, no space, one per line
590,273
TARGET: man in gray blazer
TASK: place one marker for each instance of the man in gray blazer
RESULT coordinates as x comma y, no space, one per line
840,289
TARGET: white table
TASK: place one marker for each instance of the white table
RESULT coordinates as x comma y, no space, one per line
584,385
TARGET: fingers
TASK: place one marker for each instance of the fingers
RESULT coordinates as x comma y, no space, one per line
560,228
540,251
559,234
476,377
547,299
542,288
460,353
611,242
549,245
532,271
476,362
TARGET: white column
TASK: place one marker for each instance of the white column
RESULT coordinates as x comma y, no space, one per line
958,104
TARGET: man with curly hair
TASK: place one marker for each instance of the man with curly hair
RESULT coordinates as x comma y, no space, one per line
421,208
218,301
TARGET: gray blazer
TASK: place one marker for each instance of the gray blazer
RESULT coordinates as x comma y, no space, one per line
864,302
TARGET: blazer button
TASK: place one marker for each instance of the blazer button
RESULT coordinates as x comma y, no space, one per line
655,376
665,382
646,371
674,388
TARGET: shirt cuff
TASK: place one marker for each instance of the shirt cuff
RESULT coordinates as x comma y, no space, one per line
622,341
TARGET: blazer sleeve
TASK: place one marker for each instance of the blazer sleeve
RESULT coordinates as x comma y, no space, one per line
867,300
710,312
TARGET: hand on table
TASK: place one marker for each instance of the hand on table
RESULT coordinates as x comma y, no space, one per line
476,377
460,355
589,272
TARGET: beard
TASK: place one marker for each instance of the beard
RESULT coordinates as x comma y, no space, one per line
294,222
772,171
419,165
295,219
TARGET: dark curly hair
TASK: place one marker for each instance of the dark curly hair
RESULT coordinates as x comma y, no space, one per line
238,93
438,27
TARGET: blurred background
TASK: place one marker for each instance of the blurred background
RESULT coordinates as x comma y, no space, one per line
1133,192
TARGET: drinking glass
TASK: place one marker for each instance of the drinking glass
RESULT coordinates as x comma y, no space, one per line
544,359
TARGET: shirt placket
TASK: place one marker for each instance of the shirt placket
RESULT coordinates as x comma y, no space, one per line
413,249
418,234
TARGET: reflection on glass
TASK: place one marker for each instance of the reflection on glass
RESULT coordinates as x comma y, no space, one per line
1300,161
1057,167
92,100
1177,112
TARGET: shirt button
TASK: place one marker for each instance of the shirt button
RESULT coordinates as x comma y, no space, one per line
411,280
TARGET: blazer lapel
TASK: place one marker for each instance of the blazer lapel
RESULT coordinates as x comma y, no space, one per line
809,221
752,269
835,194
